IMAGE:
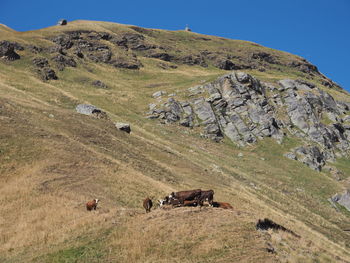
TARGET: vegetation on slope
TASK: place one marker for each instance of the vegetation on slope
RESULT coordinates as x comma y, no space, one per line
53,160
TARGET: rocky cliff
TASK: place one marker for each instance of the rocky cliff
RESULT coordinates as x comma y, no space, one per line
245,110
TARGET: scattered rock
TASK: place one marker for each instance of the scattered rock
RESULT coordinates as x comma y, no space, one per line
64,41
43,69
343,199
91,110
47,74
123,126
128,63
263,56
99,84
311,156
191,60
160,54
291,156
102,55
152,106
40,62
226,64
64,61
166,66
7,51
240,155
35,49
87,109
158,94
303,66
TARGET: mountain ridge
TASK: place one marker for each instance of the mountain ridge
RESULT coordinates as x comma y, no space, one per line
54,159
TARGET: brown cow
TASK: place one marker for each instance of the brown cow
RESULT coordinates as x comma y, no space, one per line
206,196
186,195
222,205
147,204
92,205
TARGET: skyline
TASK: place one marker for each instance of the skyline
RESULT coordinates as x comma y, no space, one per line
316,30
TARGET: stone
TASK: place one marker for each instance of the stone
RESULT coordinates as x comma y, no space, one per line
287,84
329,103
91,110
191,60
7,51
343,199
87,109
263,56
187,122
104,56
123,127
311,156
204,111
152,106
226,64
64,41
78,52
126,62
47,73
99,84
162,55
196,90
64,61
213,97
35,49
242,77
291,155
40,62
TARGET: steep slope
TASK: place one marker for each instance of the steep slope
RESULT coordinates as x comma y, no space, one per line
53,159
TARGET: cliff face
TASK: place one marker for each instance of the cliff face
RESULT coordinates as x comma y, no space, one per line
245,110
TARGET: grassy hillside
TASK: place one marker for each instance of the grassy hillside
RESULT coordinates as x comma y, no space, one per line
53,160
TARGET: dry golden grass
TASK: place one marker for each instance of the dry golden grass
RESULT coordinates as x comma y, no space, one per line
189,235
52,164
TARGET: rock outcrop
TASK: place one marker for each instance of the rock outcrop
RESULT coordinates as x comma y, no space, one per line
245,110
123,126
342,199
7,50
91,110
43,69
99,84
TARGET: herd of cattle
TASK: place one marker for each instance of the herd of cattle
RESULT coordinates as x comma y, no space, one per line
195,197
192,198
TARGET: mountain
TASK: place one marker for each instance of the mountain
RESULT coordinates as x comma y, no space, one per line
262,128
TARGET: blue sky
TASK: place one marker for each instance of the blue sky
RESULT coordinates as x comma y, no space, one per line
318,30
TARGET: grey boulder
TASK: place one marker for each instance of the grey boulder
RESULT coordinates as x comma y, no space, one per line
343,199
123,127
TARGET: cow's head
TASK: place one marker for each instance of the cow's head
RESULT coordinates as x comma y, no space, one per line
172,195
96,201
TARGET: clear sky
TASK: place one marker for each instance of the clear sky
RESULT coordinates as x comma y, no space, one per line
318,30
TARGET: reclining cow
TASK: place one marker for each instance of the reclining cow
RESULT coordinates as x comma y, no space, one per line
222,205
176,203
